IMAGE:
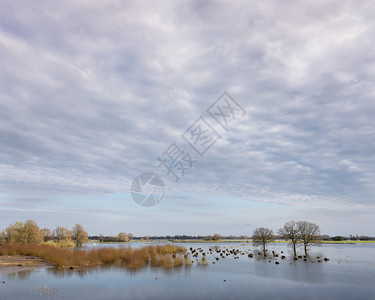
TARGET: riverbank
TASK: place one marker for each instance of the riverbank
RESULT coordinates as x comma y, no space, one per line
17,263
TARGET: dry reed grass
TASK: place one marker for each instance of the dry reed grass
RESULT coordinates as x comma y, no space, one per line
166,256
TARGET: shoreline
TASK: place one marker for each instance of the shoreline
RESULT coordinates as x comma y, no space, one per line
19,263
248,242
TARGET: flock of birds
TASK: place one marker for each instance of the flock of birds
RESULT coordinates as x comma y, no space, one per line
236,253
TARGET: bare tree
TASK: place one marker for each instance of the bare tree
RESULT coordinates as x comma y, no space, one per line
101,238
290,232
79,235
262,236
123,237
47,234
216,237
308,233
62,233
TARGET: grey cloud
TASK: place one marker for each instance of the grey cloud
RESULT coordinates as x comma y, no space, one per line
90,95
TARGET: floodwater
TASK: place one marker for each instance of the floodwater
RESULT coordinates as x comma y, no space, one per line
349,274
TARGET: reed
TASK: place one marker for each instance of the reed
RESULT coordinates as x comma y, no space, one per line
187,260
106,255
166,261
178,261
166,256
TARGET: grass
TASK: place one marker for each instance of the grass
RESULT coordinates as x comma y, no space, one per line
346,242
331,242
166,256
62,243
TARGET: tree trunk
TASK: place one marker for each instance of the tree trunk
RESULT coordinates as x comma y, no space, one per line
305,250
294,249
264,250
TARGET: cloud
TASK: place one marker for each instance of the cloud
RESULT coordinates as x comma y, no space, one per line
92,93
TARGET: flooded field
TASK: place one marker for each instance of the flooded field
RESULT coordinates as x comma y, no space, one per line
228,273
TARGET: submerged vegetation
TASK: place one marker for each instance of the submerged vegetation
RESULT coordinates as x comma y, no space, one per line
166,256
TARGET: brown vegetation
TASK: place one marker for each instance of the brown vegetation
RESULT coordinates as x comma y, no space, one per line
166,256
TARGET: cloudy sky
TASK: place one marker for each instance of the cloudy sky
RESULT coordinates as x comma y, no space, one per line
92,92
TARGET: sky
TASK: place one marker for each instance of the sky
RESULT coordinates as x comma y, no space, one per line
92,93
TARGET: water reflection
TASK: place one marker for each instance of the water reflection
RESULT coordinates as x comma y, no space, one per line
228,278
20,275
97,270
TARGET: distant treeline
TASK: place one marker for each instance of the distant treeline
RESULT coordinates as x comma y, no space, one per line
217,237
30,233
348,238
120,238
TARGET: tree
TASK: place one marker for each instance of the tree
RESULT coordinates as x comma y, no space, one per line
3,237
32,233
308,233
131,236
14,233
262,236
290,232
123,237
79,235
216,237
101,238
24,233
47,234
62,233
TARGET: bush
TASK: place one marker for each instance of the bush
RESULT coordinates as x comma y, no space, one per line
66,243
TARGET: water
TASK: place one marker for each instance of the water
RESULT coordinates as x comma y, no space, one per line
349,274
